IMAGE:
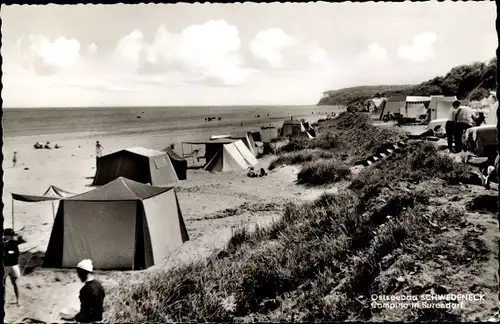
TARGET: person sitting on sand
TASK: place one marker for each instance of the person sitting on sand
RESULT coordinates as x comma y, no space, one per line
47,145
251,173
263,172
11,260
91,295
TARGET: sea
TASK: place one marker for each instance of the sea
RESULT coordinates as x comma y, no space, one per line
20,122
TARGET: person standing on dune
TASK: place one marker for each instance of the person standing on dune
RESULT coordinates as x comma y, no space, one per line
14,160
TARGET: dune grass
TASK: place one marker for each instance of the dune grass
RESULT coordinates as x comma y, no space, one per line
323,171
321,260
299,157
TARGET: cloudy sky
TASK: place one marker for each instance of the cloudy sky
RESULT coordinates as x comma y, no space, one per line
231,54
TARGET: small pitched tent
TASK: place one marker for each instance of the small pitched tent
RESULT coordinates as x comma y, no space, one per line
268,133
121,225
393,106
138,164
180,165
441,107
233,156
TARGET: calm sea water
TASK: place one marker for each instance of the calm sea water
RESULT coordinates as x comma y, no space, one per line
43,121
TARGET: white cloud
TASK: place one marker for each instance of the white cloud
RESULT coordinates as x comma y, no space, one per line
421,49
60,53
375,53
280,50
269,45
93,48
318,55
210,50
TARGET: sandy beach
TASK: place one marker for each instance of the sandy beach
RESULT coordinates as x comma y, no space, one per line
213,206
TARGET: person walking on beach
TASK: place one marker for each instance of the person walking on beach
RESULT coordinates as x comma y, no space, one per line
91,295
14,160
11,261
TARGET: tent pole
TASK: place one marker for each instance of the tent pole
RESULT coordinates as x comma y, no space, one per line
12,213
53,212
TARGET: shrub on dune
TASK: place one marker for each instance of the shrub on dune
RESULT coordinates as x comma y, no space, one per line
299,157
322,172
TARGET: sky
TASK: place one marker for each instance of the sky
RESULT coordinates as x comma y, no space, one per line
231,54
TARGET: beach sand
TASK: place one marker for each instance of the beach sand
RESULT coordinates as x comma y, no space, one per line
203,198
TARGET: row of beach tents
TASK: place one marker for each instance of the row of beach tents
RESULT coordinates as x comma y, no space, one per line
440,106
133,220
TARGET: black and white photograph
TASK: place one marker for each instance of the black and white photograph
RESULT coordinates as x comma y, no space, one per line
250,162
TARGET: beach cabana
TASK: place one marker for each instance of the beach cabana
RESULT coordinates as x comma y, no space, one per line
52,194
138,164
268,133
123,225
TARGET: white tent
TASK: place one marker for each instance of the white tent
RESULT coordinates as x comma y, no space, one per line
415,106
491,111
234,156
441,107
393,105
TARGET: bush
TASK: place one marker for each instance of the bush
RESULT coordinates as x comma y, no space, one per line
322,172
299,157
294,146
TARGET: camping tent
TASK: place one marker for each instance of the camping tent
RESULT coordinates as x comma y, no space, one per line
373,104
416,106
234,156
294,129
138,164
269,133
491,118
180,165
393,106
52,193
441,107
121,225
247,139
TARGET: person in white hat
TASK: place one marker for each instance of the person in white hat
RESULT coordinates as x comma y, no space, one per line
91,295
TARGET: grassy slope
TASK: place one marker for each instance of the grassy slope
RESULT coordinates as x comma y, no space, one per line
472,81
322,260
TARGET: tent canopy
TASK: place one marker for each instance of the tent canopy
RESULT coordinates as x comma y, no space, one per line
121,225
52,193
138,164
